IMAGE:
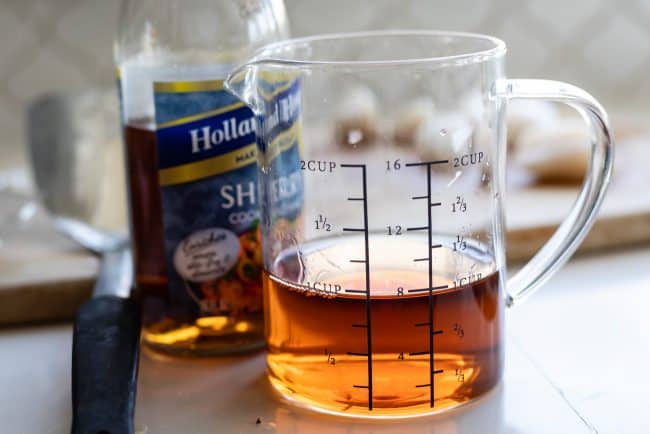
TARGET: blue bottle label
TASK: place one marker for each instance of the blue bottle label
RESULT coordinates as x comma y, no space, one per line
210,201
279,142
207,159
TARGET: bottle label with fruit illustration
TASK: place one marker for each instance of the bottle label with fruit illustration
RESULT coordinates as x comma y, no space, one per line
207,169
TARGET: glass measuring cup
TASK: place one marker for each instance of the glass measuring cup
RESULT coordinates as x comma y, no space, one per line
382,178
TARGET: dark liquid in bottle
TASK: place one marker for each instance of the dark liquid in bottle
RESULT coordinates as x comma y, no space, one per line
146,209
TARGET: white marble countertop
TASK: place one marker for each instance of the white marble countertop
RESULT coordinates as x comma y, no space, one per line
575,364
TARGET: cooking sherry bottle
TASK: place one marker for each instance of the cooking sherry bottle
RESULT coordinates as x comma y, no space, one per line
192,170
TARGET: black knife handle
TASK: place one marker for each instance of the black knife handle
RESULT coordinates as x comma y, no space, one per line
105,366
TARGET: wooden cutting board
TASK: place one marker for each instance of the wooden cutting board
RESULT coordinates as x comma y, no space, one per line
44,276
533,213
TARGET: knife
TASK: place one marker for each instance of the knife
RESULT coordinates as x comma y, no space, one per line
105,352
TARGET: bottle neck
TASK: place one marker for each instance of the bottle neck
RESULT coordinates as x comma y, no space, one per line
187,40
197,32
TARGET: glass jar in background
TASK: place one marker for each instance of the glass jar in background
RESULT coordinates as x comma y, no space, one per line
191,168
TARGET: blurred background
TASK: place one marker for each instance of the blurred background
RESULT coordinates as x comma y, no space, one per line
65,47
600,45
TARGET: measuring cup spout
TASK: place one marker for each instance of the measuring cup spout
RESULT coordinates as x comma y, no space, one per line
241,83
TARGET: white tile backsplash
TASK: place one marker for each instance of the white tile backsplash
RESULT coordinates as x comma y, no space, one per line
619,51
15,36
562,18
601,45
45,72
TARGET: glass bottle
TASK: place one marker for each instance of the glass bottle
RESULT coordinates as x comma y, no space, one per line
191,168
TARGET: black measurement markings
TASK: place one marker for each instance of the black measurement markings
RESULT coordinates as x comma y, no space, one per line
436,372
418,228
366,261
427,163
427,324
430,288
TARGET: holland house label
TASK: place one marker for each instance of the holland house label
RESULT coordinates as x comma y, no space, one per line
207,169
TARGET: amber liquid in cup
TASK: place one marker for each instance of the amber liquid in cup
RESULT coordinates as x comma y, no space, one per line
318,341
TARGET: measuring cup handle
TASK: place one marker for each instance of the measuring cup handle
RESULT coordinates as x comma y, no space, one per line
559,248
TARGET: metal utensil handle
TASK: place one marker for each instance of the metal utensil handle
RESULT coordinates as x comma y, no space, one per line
559,248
